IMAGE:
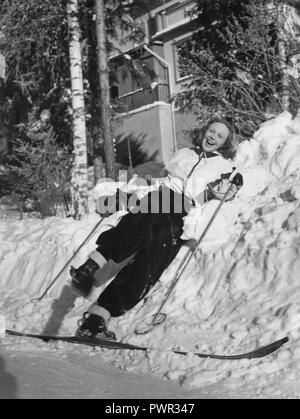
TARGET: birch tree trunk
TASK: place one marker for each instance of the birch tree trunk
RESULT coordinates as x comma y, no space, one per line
105,93
285,93
79,181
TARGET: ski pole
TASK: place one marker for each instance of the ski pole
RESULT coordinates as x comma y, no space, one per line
67,263
237,181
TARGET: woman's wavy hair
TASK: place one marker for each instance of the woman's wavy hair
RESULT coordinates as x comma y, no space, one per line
228,150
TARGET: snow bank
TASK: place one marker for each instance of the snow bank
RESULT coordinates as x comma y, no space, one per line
241,290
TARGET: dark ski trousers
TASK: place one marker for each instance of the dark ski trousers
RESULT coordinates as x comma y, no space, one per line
153,239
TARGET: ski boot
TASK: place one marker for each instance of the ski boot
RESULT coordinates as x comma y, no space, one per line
93,326
82,278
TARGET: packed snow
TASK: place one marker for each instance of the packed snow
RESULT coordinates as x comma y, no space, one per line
240,291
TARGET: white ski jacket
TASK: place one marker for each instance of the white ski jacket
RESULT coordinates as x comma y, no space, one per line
189,173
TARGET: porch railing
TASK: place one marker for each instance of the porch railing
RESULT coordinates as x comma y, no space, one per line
143,97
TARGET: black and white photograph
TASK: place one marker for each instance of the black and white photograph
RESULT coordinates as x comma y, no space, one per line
149,202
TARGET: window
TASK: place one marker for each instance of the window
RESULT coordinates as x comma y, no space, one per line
179,71
177,13
114,91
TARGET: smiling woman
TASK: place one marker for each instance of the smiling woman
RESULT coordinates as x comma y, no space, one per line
217,134
150,233
215,137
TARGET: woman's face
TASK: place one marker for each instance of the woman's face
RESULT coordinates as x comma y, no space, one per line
215,137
